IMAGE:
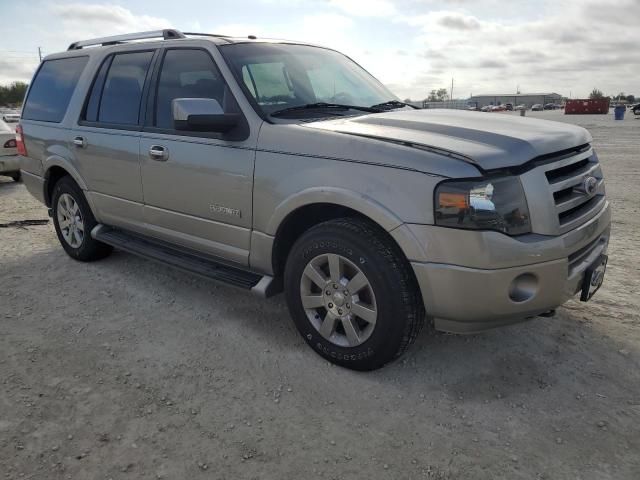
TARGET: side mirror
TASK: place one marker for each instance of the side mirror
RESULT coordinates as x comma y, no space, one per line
202,115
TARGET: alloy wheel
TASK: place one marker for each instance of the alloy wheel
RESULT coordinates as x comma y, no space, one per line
70,220
338,300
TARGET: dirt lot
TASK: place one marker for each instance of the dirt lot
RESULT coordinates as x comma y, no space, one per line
126,369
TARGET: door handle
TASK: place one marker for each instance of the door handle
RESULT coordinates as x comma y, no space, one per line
80,142
159,153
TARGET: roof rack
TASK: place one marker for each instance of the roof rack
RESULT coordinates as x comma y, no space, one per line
166,34
214,35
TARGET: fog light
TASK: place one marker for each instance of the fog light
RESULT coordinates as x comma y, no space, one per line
524,287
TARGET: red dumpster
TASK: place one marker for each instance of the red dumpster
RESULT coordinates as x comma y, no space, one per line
588,105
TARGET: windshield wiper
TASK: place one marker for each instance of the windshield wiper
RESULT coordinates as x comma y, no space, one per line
322,106
391,104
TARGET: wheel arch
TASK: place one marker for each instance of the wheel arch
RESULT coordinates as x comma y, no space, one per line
321,205
56,168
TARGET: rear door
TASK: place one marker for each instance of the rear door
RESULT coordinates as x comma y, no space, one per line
106,140
45,110
199,193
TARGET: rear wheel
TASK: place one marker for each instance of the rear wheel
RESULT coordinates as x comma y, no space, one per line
352,294
74,221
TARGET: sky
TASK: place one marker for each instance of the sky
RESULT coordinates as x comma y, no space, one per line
412,46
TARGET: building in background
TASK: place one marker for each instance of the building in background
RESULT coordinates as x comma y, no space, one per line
455,104
527,99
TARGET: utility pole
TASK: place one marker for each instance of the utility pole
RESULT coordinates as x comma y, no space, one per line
451,96
40,53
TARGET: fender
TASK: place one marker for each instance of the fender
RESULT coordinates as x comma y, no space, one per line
363,204
58,161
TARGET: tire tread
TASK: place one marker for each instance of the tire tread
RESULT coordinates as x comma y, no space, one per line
395,263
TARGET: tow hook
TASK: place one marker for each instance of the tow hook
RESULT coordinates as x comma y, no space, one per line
548,314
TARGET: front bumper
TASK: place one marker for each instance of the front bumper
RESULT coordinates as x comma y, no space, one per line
468,293
9,164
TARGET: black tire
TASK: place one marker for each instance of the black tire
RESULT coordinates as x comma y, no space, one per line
90,249
400,312
636,111
16,176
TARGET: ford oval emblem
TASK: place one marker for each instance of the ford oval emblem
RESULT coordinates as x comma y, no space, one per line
590,185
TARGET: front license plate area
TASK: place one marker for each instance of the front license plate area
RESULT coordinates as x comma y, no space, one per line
593,278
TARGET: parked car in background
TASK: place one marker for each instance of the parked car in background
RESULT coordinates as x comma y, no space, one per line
9,160
486,108
636,109
498,108
11,117
549,106
281,166
537,107
508,107
522,106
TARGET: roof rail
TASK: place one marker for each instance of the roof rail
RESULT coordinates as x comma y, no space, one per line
166,34
214,35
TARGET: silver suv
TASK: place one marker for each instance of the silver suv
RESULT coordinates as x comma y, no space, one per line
273,165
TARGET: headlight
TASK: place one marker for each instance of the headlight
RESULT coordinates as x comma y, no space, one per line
492,204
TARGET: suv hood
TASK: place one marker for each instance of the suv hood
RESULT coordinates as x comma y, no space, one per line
489,140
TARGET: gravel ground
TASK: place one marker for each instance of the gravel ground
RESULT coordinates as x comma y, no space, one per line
127,369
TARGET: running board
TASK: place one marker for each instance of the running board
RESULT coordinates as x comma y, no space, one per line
262,285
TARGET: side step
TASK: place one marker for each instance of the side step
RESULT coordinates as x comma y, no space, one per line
185,260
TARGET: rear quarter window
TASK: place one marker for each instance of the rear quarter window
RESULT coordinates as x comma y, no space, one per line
51,91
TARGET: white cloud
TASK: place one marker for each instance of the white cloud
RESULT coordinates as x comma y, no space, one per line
365,8
78,21
103,19
236,30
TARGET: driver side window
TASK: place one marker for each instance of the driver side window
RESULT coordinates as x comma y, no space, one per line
188,74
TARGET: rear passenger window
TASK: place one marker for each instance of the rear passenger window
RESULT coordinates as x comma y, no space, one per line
52,88
187,74
122,90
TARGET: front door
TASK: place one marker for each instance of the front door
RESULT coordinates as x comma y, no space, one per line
197,185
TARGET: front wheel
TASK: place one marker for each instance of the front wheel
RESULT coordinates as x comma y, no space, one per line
352,294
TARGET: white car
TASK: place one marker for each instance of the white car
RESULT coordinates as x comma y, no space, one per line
9,164
11,117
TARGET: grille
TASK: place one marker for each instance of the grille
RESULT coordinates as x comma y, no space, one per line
573,204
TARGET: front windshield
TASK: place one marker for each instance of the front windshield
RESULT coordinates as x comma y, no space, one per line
280,76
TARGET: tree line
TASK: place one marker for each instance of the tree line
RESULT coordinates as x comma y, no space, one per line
596,93
442,94
12,94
